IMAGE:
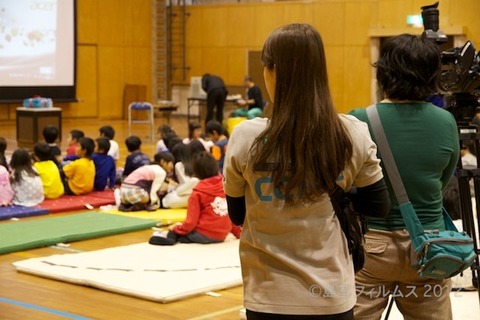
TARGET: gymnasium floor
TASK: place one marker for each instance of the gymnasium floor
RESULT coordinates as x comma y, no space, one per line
24,296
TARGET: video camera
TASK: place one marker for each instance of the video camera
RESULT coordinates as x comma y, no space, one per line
460,75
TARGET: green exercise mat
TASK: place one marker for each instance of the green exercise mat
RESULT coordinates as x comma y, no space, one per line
23,235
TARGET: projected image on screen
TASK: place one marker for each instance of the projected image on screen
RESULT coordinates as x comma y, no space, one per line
27,42
37,48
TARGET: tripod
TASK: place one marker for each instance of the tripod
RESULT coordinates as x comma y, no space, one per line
469,133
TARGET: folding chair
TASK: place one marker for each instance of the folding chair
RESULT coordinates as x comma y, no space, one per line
142,106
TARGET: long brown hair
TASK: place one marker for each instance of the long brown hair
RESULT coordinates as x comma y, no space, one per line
22,162
305,141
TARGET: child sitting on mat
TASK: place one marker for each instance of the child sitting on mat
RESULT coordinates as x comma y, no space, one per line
48,171
207,218
139,190
109,132
178,196
3,147
73,141
136,158
50,134
217,133
164,131
79,175
195,134
105,172
26,182
6,192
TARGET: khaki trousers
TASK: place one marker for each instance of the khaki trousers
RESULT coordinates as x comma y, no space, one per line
388,272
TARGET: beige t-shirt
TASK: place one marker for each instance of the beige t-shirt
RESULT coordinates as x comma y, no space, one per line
295,258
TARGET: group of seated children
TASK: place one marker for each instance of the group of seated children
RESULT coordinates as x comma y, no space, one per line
207,218
216,143
87,165
30,178
185,173
140,189
174,156
168,137
182,180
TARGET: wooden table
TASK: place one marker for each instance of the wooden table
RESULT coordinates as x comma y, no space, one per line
30,124
166,107
201,102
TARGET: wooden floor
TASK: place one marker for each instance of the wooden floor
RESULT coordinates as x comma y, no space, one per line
24,296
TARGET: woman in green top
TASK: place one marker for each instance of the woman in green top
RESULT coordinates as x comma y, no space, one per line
424,143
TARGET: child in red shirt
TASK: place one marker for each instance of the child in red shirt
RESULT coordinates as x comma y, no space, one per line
73,139
207,218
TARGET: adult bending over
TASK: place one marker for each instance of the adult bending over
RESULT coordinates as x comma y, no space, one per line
216,96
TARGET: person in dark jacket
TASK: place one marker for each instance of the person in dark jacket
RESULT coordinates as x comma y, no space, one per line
216,96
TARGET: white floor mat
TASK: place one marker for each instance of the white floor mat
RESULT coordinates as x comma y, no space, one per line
158,273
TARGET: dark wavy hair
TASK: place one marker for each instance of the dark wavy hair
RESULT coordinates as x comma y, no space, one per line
103,144
107,131
77,134
88,145
215,126
205,166
192,126
181,153
42,151
305,140
133,143
21,162
196,147
165,156
408,68
50,134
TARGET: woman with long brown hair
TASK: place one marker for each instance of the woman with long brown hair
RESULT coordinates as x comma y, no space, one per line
278,175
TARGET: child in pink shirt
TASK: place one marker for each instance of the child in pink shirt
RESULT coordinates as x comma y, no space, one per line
6,192
139,190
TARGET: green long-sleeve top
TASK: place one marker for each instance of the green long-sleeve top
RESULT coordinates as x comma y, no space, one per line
425,145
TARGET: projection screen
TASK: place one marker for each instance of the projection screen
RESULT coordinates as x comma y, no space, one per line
37,49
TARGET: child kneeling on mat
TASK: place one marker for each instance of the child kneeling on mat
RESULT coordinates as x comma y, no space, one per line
207,218
139,190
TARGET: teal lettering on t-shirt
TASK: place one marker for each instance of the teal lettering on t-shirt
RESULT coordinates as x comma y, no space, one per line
277,193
